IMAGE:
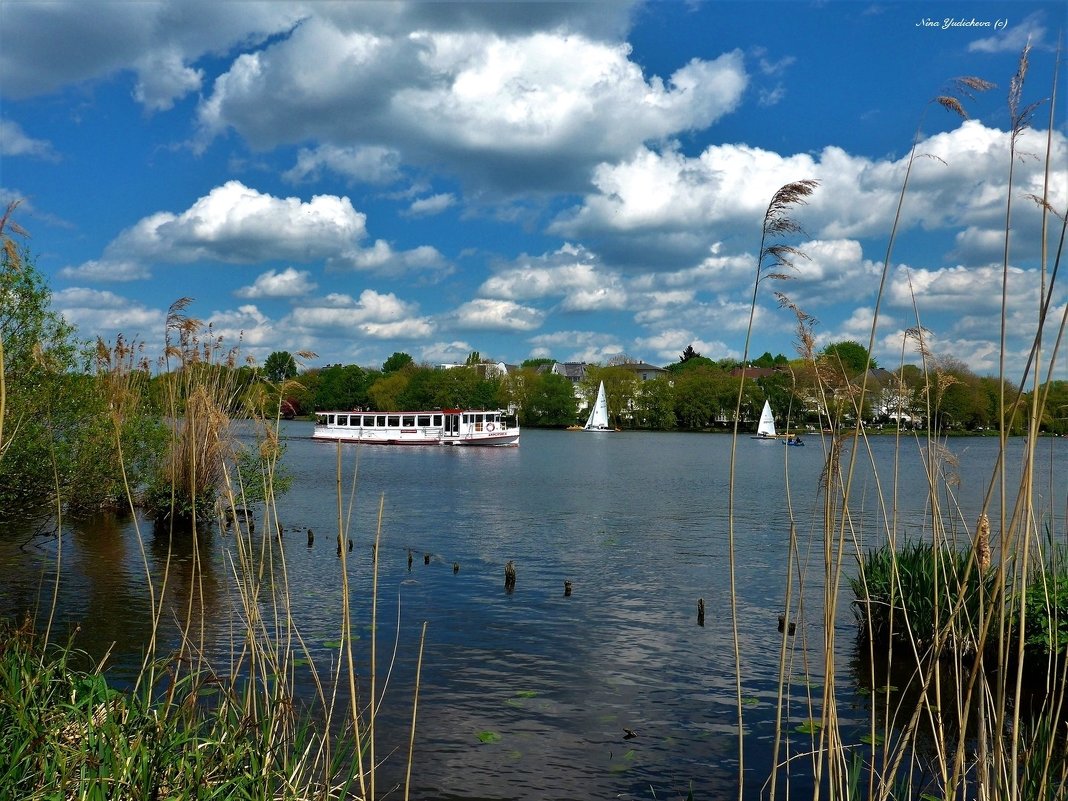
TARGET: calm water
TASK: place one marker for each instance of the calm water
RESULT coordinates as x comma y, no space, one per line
638,522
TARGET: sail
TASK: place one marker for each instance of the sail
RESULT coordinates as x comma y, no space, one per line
598,419
766,427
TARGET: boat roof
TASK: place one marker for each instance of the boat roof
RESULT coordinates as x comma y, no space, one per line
412,411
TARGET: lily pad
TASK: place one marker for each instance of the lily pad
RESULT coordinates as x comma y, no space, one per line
876,740
488,737
750,701
809,727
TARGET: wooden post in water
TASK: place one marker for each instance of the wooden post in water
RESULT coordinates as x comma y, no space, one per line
409,560
455,567
567,588
426,559
509,576
700,611
782,625
311,537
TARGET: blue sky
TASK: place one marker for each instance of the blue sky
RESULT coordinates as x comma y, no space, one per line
568,180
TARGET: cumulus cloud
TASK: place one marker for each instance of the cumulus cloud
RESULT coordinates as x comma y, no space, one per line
435,204
577,346
375,315
288,283
90,42
106,314
239,225
502,108
666,208
371,164
16,142
571,274
103,270
485,314
1030,30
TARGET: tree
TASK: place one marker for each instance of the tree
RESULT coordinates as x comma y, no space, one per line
398,361
852,357
655,404
342,387
536,362
688,354
280,366
550,402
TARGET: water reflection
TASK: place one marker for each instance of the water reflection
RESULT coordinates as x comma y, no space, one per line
528,693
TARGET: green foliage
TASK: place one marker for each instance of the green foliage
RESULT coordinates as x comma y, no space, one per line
655,404
342,387
536,362
280,366
550,401
915,591
1046,613
66,733
702,397
852,357
398,361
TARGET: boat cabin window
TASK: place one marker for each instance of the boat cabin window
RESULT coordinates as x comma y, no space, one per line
368,420
423,420
408,421
320,419
393,421
437,419
380,420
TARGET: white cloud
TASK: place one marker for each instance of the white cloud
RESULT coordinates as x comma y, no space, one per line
106,314
578,346
542,102
107,270
164,78
288,283
88,42
1013,40
495,315
435,204
15,142
372,164
236,224
374,314
571,273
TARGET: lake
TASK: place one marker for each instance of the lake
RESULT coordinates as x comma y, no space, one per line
529,693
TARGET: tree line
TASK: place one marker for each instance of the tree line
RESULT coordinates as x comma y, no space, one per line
85,425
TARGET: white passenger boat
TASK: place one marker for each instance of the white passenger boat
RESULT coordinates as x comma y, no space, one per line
438,427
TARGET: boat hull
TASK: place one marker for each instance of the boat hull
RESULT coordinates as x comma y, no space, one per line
504,439
455,427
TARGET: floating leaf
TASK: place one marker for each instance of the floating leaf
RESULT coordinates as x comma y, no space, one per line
889,688
488,737
332,643
526,694
301,661
876,740
749,700
809,727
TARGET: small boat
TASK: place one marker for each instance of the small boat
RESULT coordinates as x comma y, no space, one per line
794,440
438,427
766,426
598,419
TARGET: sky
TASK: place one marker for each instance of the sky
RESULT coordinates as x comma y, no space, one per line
575,181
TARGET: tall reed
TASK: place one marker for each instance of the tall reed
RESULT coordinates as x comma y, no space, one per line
968,614
202,721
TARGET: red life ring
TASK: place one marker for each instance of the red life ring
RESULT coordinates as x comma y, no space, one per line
489,426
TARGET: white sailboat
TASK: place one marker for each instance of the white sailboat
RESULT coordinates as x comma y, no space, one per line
598,419
766,426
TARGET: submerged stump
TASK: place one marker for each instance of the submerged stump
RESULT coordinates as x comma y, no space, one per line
509,576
